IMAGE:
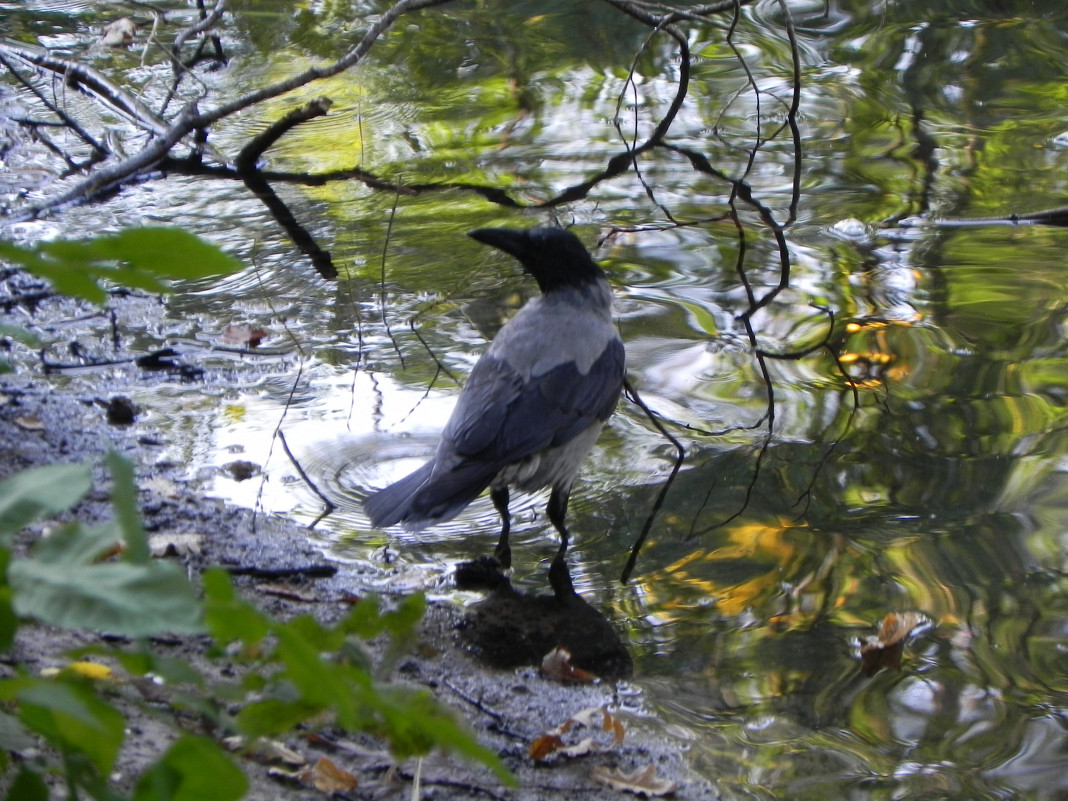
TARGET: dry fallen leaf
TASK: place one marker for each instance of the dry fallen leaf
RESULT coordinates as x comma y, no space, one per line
328,778
557,665
287,591
614,725
552,743
266,750
643,782
29,422
885,649
545,746
174,544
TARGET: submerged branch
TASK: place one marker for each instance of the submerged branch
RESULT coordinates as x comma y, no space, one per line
190,119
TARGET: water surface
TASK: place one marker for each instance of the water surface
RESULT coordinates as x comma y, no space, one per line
916,459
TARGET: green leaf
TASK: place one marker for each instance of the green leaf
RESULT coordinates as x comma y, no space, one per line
24,257
415,723
193,769
31,494
406,616
315,678
702,316
27,786
62,586
142,258
20,335
124,499
273,716
72,719
75,543
168,252
13,735
316,635
228,617
70,281
9,621
364,619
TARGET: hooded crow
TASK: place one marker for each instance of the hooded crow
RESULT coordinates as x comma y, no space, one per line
535,401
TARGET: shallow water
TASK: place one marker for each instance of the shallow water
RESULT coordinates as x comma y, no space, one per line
930,477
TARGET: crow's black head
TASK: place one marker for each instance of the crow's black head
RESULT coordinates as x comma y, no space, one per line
555,257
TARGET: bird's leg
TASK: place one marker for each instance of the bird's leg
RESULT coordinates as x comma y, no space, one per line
559,576
503,551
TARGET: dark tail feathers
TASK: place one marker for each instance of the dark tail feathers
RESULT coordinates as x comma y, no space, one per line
392,504
417,501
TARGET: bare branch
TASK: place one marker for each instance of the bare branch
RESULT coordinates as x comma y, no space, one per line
680,456
89,79
260,143
67,120
347,61
190,118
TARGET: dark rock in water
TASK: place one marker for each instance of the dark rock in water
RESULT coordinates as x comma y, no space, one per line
509,629
121,411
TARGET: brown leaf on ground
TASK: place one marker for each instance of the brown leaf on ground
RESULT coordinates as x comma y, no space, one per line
557,665
552,743
885,649
545,746
266,751
29,422
328,778
614,725
643,782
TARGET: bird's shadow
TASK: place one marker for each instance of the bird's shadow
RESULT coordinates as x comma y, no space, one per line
509,629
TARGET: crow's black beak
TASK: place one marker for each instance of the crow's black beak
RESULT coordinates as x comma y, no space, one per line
513,241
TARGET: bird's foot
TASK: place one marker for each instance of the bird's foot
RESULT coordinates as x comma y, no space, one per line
560,578
503,555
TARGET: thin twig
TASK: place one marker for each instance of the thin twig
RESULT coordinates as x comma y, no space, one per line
382,280
69,121
680,456
330,505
